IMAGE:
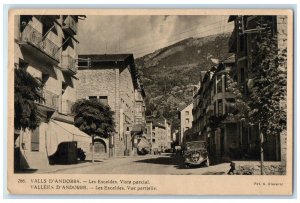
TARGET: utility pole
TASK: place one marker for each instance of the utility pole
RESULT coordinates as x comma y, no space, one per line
261,136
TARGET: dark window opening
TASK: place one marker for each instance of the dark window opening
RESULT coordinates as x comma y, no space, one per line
103,100
24,20
92,97
35,140
45,78
46,29
242,75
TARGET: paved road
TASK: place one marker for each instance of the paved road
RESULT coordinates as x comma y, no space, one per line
150,164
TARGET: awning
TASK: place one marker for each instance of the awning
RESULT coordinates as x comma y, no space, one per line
143,143
59,132
71,128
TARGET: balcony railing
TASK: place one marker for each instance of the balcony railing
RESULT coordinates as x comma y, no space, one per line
35,38
70,24
50,100
69,63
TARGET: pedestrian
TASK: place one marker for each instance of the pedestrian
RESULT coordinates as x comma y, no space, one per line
232,169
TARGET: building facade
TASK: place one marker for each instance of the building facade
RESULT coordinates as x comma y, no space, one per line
186,120
46,47
158,131
113,80
212,104
241,42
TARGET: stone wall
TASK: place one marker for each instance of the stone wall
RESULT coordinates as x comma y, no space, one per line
117,85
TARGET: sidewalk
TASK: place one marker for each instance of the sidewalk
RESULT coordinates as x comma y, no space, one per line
80,164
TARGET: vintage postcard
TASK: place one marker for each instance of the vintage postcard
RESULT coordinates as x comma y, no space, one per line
150,101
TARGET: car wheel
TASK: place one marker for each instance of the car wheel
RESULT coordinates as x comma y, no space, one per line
207,163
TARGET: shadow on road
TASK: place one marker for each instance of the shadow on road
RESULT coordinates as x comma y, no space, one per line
214,173
167,159
164,159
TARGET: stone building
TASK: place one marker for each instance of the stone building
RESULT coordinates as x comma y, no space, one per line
113,80
46,46
159,133
241,42
186,119
214,100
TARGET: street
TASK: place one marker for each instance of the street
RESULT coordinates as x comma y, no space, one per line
169,164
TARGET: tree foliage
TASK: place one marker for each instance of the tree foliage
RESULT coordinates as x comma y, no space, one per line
239,108
93,117
268,76
27,91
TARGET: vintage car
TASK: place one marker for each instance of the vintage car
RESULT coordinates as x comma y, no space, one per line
195,154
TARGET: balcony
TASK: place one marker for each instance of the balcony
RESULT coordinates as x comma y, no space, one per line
70,25
69,64
50,102
31,37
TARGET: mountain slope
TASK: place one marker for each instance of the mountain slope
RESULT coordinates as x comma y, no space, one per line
169,73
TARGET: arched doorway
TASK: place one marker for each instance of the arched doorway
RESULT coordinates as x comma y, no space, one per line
100,148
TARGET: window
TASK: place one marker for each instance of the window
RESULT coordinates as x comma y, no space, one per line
219,83
153,140
35,140
45,78
103,99
242,42
242,75
84,63
46,28
92,97
187,121
187,113
220,107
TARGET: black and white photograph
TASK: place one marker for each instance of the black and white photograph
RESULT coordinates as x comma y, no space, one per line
151,94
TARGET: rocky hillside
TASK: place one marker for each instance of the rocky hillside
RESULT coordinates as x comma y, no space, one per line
169,73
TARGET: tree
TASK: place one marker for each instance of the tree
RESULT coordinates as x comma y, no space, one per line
27,91
268,83
94,118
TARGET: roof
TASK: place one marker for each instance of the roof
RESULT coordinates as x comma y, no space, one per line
185,106
106,57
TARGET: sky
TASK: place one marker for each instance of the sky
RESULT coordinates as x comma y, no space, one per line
143,34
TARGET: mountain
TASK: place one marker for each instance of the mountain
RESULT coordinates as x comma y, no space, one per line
169,74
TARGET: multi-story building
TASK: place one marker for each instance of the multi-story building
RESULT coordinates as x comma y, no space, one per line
241,43
186,119
213,100
113,80
46,46
140,107
140,141
159,132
